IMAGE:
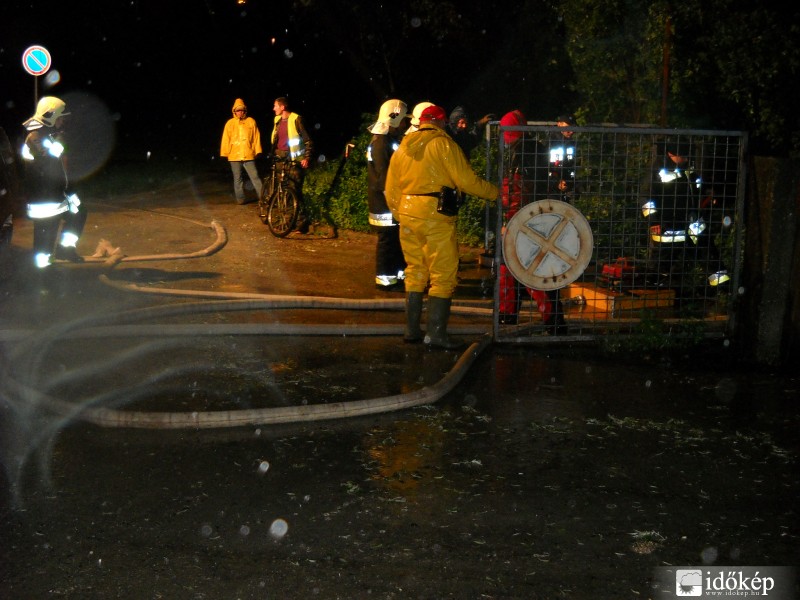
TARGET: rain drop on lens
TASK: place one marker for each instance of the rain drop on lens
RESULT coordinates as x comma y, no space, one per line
52,78
278,528
263,467
709,555
244,530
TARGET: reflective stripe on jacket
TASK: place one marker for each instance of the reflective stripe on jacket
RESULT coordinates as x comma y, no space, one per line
667,237
299,142
44,210
45,175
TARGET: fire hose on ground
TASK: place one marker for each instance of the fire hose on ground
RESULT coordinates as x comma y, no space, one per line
114,325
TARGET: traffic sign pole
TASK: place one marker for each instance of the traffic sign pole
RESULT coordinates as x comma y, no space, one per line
36,61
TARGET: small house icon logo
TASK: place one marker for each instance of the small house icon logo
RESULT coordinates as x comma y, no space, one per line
688,583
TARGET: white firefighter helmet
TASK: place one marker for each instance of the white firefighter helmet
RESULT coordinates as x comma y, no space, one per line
391,114
416,114
48,111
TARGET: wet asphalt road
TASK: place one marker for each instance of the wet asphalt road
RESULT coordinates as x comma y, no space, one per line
540,465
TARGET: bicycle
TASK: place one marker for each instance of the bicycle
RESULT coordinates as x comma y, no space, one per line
279,204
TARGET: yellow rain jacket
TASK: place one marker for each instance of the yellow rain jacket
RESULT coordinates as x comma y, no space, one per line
426,161
241,139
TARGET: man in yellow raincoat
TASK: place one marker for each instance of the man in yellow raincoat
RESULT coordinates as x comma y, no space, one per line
241,144
427,161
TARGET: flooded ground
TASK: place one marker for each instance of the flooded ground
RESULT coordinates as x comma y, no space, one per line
546,472
535,469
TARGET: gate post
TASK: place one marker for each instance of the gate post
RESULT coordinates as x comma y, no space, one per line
771,310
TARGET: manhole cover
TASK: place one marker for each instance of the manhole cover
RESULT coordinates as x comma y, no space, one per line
547,244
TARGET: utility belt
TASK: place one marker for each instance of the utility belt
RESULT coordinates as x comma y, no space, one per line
450,200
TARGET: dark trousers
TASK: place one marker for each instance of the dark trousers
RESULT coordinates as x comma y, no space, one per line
45,231
389,258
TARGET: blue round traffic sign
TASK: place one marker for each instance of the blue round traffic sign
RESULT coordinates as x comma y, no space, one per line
36,60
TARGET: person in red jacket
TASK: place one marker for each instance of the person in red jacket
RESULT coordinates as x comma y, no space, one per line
526,178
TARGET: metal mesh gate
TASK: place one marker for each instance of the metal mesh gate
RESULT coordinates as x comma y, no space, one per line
666,234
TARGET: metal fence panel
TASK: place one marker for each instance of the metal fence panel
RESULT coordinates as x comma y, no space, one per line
667,237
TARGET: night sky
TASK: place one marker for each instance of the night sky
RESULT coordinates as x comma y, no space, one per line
166,73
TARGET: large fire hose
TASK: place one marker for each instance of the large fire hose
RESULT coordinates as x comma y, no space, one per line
118,325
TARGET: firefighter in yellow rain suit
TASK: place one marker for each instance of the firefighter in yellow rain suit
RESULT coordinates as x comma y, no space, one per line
426,161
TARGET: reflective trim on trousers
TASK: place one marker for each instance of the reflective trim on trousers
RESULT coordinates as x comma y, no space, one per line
42,260
381,220
385,280
69,239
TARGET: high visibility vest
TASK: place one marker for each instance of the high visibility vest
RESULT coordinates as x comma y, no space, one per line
296,146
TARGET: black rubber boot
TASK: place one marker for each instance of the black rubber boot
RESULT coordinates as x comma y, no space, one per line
556,324
414,334
438,315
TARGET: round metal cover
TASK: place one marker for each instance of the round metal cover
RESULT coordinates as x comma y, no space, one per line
547,244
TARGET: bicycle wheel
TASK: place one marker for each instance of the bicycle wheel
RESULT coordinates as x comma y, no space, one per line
266,197
282,212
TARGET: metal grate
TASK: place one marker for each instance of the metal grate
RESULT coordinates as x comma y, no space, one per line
675,260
